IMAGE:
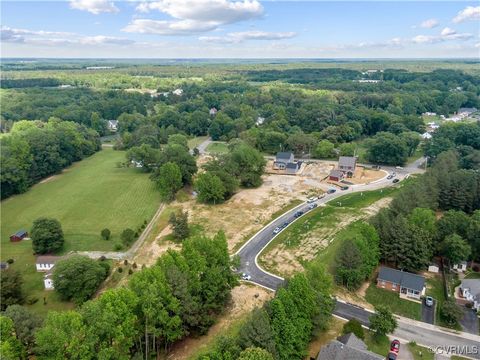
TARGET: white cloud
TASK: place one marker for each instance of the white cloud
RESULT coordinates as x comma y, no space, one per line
52,38
429,23
447,31
194,16
447,34
238,37
469,13
94,6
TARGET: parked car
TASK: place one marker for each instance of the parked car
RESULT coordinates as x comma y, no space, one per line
398,167
390,177
246,276
277,230
312,199
344,187
395,181
395,346
312,206
331,191
391,356
285,224
429,301
299,213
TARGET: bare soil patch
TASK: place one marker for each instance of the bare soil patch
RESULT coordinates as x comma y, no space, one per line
244,299
287,260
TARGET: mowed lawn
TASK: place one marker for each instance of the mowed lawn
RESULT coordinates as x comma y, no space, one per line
90,195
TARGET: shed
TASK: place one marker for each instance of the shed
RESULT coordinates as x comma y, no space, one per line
112,125
19,235
335,175
433,268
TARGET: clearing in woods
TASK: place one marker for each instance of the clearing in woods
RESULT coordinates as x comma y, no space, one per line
90,195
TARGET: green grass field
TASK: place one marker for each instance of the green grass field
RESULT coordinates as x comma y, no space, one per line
90,195
217,148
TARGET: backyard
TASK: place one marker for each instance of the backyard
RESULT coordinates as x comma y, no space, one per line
90,195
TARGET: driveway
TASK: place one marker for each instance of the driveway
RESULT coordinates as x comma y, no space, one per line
470,321
428,312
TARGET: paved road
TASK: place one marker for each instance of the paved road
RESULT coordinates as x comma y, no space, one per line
411,330
250,251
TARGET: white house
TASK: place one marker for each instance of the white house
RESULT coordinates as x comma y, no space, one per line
213,111
177,92
112,125
46,262
470,291
428,113
260,121
426,136
460,267
48,281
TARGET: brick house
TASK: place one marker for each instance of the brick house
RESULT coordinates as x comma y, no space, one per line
408,285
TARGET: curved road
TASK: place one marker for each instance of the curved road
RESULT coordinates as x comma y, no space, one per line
250,251
408,330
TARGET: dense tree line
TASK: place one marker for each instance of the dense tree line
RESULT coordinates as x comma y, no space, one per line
34,150
409,231
180,295
285,325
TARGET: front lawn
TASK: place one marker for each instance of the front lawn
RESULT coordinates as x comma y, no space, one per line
420,352
392,300
435,290
377,344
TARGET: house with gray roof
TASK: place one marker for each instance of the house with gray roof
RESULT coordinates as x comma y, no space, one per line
470,291
112,125
347,164
347,347
286,161
408,285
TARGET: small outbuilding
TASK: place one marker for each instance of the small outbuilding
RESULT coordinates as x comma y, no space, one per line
213,111
19,235
112,125
433,269
336,175
460,267
48,281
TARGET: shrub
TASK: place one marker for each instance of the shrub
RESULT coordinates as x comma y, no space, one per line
130,271
120,269
134,265
105,234
106,266
10,261
102,258
125,262
117,247
450,312
354,326
128,236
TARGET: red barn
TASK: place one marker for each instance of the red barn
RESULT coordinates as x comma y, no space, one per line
19,235
336,175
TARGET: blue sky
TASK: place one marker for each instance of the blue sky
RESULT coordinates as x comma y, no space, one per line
240,29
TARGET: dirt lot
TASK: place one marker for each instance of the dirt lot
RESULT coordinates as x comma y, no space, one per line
287,260
244,299
248,210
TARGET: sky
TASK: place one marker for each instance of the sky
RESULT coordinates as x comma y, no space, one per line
240,29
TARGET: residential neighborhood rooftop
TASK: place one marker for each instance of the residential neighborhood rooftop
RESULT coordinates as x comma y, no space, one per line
20,233
403,278
347,347
473,285
48,259
347,161
284,155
